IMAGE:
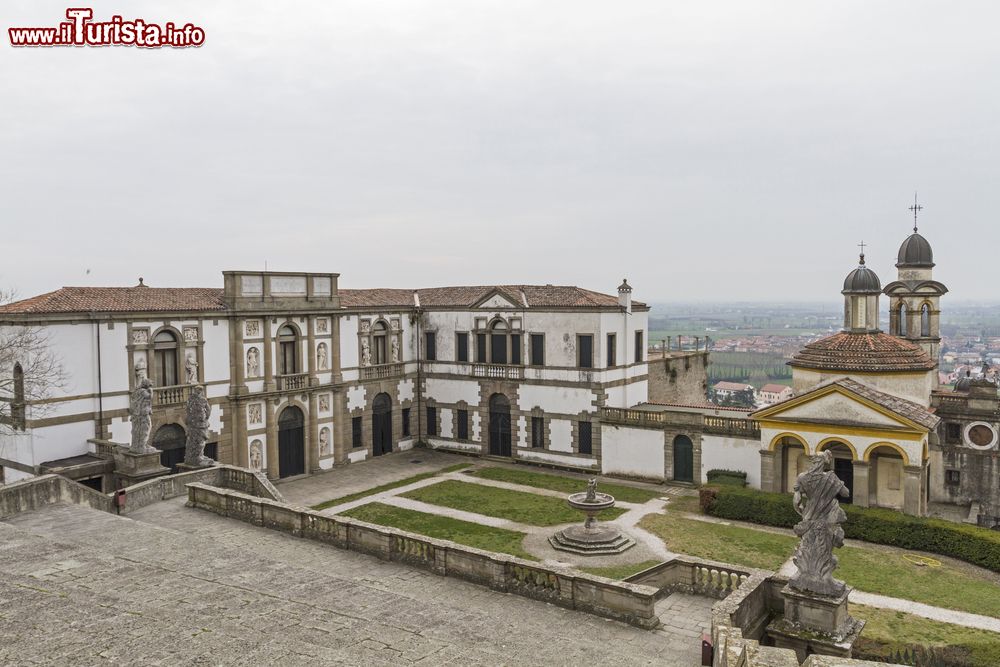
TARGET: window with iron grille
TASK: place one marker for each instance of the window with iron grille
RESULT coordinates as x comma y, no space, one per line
538,432
355,431
952,477
585,438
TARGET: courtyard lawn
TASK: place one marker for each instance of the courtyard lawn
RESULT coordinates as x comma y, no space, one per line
628,494
620,571
470,534
516,506
388,487
882,571
887,632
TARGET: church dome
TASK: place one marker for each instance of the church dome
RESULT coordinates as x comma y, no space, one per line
915,252
862,280
849,351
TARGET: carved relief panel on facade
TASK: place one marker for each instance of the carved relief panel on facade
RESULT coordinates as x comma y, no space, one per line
324,403
322,325
255,413
252,328
190,334
140,336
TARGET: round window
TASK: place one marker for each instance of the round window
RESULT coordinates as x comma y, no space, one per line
980,435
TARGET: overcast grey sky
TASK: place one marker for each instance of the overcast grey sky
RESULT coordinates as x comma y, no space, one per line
707,150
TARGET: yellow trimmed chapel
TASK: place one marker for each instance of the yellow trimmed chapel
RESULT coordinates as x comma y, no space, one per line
864,394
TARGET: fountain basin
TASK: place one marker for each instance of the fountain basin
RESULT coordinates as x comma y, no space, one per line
592,538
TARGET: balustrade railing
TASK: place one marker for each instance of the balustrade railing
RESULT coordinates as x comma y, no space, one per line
171,395
732,426
381,371
497,371
635,417
293,381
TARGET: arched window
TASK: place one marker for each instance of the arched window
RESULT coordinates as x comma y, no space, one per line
925,320
380,335
901,320
504,344
17,405
165,367
288,348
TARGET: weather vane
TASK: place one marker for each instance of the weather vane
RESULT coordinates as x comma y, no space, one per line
862,246
916,208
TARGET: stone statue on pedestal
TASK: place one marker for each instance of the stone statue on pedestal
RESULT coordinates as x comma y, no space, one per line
395,349
140,368
815,499
591,490
366,353
198,410
141,413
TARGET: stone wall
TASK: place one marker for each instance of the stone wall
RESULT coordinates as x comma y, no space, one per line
622,601
678,377
37,492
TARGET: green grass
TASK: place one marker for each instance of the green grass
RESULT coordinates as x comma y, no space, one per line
889,631
627,494
620,571
387,487
871,570
470,534
516,506
729,544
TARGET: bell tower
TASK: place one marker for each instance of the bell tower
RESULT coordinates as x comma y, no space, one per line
861,292
915,297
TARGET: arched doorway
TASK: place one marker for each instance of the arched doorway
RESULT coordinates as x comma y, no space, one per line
683,459
790,453
843,466
381,425
885,474
171,440
291,442
499,425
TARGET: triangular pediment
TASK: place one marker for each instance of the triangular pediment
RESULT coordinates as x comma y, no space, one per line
496,299
835,405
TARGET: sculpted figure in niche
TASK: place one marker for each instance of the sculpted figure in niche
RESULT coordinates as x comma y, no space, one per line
815,499
191,368
257,455
198,411
141,369
253,363
321,356
141,412
366,352
395,349
324,441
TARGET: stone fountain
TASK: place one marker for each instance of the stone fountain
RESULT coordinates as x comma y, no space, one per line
592,538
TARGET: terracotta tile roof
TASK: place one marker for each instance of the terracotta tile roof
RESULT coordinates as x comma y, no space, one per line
730,386
774,388
537,296
878,352
140,298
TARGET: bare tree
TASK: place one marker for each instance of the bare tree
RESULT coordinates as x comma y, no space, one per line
29,371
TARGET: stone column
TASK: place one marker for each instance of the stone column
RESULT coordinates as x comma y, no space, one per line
312,441
668,455
912,490
311,352
335,349
861,483
697,475
269,382
767,464
341,426
271,420
237,358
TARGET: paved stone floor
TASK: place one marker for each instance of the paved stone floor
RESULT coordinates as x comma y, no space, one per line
172,585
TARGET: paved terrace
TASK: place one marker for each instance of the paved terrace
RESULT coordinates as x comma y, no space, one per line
171,585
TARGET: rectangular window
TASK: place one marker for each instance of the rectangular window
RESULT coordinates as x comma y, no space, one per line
538,432
515,349
498,348
355,431
612,350
462,347
430,346
586,435
463,424
585,351
481,348
640,347
406,422
953,433
952,477
537,343
432,421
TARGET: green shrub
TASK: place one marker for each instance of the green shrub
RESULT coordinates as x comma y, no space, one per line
979,546
727,477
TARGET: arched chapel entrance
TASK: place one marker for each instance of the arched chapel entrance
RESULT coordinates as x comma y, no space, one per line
291,442
381,425
171,440
843,465
499,425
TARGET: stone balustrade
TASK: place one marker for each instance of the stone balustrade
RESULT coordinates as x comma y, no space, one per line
623,601
381,371
632,417
497,371
733,426
292,382
172,395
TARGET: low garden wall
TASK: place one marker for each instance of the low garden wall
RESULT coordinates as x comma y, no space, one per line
622,601
37,492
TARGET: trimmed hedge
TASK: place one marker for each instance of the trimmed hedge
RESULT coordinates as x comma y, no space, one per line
979,546
727,477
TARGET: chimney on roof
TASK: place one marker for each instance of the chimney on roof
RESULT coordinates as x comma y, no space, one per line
625,296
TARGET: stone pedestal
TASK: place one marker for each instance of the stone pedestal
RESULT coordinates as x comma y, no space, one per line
815,624
183,467
133,468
